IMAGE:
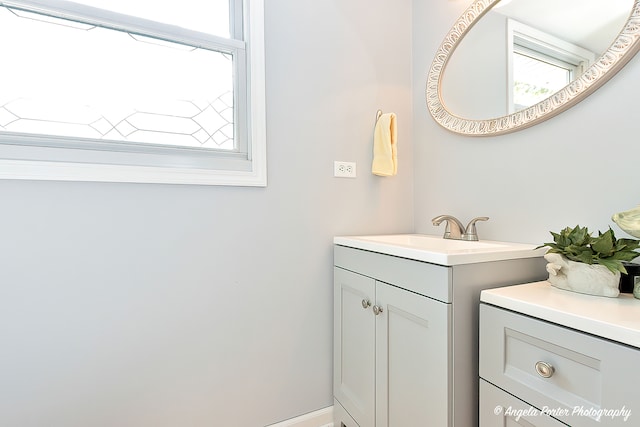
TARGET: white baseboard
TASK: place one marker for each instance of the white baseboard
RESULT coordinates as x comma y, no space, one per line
319,418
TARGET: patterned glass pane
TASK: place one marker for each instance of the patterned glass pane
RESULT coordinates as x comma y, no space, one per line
97,83
210,16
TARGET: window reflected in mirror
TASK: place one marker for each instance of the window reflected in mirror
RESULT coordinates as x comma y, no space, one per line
536,78
540,64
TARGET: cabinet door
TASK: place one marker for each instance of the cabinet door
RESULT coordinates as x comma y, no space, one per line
413,359
354,345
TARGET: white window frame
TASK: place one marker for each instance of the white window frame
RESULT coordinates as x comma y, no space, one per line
252,170
521,37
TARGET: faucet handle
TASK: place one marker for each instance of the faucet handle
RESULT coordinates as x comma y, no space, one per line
470,233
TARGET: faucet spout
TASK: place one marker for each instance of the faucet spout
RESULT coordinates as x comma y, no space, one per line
454,227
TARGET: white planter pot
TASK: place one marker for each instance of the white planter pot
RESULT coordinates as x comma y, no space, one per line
579,277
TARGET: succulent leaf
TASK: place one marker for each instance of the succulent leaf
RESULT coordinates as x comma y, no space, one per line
577,244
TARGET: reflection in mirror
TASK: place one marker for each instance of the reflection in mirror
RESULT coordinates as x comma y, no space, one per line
510,64
539,64
519,53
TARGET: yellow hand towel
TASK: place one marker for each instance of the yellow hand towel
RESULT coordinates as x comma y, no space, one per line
385,156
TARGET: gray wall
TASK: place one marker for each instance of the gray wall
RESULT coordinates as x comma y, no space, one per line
156,305
126,305
577,168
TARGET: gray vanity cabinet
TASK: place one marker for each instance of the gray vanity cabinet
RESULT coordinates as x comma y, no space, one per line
392,355
570,375
405,337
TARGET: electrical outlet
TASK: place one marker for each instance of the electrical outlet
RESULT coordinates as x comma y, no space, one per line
344,169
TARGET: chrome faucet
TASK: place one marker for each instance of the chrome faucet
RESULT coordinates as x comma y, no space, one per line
454,228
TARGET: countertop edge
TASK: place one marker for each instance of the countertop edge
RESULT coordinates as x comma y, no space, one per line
616,319
449,260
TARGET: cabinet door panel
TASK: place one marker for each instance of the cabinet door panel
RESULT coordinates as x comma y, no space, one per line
413,359
354,345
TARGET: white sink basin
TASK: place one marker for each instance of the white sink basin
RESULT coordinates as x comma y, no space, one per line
435,249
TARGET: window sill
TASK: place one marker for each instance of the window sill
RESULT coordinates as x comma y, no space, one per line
59,171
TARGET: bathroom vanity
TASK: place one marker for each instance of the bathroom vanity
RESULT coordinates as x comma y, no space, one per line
550,356
406,329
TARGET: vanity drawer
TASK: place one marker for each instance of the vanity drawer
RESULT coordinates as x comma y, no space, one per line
550,366
498,408
430,280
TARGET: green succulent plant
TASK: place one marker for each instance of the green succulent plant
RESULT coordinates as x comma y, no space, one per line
578,245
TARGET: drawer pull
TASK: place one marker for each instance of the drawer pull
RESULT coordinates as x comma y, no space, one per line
544,369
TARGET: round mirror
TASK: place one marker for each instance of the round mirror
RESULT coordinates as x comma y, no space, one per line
509,64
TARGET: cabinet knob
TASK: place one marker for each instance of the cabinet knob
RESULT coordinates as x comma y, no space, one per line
366,303
377,309
544,369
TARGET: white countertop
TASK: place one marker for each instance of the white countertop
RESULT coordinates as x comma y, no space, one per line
616,319
436,250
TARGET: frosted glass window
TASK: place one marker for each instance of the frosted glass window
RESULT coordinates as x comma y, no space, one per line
104,84
145,92
92,82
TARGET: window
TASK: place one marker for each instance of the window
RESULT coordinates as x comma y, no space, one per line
536,76
540,65
115,90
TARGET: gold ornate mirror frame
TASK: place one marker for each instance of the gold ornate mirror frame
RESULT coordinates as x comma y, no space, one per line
624,47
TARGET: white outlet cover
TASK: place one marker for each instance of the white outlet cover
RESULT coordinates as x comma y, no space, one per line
344,169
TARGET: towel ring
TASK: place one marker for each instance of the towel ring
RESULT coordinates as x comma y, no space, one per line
378,114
